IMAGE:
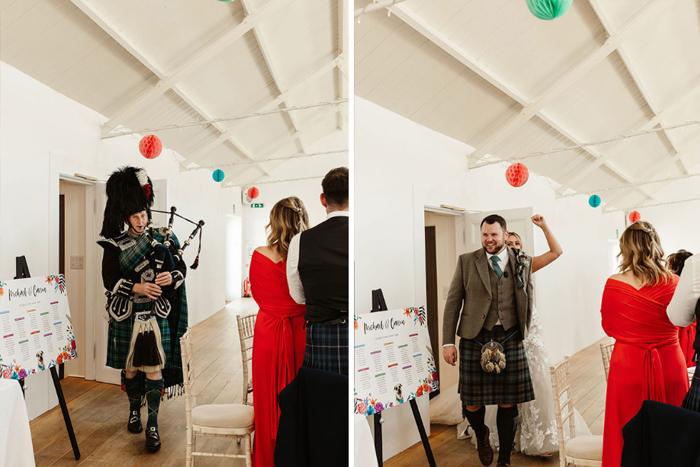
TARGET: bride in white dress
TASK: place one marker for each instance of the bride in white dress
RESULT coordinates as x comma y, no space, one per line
538,427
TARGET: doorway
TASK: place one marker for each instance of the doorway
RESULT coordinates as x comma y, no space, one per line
440,263
234,253
73,218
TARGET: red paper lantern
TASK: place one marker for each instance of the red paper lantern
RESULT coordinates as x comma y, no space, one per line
253,192
150,146
517,174
635,216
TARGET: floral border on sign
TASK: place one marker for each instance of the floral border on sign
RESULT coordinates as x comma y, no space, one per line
58,283
15,371
418,315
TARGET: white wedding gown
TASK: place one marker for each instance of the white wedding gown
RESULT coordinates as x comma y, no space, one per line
538,433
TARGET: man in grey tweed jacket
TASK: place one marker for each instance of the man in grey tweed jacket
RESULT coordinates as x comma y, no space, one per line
490,299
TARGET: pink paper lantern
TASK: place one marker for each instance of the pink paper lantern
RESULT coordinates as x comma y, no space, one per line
517,174
150,146
634,216
253,192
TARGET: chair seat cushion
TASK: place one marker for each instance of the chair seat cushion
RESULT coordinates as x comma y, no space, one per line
585,447
224,416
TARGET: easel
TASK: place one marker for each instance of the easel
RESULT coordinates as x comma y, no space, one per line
23,273
378,304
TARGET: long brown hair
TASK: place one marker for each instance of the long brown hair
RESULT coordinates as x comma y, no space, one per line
641,253
676,261
287,218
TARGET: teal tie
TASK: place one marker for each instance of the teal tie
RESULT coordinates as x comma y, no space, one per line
496,267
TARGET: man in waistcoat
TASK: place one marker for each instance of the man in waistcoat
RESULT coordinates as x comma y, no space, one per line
317,273
490,300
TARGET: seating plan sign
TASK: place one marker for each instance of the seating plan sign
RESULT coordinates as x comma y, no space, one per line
394,361
36,332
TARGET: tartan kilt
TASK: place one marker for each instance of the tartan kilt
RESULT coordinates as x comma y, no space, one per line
512,386
119,336
692,399
327,348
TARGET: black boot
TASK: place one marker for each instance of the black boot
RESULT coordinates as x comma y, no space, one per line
134,389
154,389
152,439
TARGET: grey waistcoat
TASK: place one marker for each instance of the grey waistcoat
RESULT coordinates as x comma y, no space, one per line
502,301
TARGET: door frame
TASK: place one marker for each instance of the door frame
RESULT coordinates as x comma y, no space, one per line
92,269
429,199
431,284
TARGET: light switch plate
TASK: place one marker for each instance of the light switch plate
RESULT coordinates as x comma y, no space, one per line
77,262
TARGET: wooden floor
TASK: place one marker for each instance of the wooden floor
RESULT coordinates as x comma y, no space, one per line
99,411
588,383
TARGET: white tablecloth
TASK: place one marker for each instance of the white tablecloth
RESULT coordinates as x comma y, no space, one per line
15,438
365,455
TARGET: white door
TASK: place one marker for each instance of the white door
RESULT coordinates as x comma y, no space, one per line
517,220
103,373
160,202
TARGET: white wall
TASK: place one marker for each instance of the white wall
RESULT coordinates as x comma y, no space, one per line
42,134
677,226
401,167
305,184
256,219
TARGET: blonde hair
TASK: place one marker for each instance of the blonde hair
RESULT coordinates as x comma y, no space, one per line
641,253
516,236
287,218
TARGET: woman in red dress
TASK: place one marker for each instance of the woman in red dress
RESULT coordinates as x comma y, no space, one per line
280,339
647,362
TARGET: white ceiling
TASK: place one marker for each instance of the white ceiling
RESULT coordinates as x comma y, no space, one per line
510,85
154,64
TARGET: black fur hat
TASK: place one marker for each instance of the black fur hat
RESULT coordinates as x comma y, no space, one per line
129,190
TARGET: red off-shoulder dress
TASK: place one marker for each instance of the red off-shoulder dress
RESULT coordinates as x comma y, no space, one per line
278,349
646,363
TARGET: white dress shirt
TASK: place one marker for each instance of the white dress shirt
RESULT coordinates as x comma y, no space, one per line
681,310
503,255
296,289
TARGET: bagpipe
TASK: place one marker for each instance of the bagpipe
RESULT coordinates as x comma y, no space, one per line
165,259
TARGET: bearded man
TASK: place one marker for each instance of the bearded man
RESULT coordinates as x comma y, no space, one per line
489,307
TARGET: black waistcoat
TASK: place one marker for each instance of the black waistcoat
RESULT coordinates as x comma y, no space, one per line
323,268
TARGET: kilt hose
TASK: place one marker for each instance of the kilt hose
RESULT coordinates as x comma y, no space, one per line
692,399
512,386
327,347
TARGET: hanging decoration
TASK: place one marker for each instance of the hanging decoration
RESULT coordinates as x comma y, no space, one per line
548,9
218,175
594,201
253,192
634,216
150,146
517,174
